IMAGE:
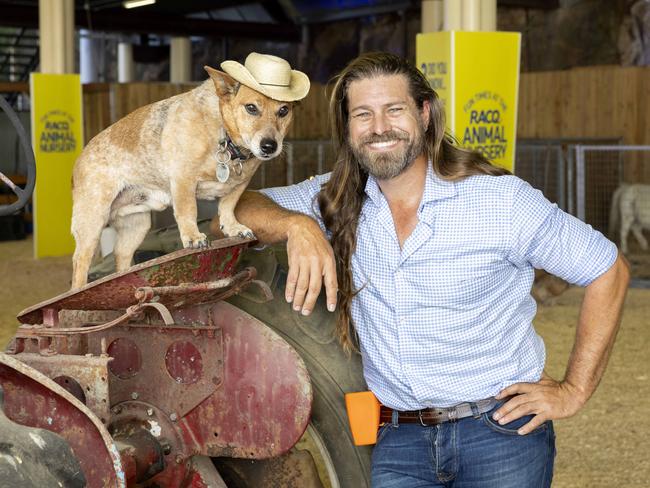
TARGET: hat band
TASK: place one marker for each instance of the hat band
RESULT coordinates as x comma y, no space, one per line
271,84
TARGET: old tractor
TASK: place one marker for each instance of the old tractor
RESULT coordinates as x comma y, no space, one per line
187,370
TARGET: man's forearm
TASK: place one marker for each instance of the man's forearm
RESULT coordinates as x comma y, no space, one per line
270,222
598,324
310,256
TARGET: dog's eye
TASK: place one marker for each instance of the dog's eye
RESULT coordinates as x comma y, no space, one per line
252,109
284,111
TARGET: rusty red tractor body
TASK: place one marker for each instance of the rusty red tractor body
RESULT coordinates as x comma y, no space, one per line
150,377
149,373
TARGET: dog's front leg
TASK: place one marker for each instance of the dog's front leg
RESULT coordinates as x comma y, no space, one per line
184,203
228,223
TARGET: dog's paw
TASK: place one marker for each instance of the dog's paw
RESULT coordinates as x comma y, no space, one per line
237,230
196,241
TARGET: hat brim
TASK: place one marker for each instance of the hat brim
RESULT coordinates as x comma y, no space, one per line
297,89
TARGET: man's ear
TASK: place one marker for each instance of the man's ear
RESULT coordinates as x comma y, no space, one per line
426,113
225,84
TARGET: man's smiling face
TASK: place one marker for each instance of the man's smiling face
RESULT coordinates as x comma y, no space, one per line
385,128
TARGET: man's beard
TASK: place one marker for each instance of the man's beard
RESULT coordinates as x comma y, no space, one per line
387,165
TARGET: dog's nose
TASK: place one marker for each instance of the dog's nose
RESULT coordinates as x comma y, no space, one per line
268,146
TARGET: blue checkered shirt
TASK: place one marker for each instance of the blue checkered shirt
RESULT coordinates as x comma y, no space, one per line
448,318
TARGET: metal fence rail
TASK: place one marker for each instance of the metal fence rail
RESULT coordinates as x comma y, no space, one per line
616,169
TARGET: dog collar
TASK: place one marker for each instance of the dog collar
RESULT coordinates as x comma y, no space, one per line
234,150
229,156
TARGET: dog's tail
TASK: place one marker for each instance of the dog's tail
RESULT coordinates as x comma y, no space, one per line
615,212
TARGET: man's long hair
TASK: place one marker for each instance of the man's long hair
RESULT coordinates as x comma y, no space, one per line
341,198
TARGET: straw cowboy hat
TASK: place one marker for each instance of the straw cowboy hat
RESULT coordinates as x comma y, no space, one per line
269,75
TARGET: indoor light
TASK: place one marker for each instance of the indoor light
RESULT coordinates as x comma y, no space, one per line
137,3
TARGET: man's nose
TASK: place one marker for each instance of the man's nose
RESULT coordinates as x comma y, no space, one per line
380,124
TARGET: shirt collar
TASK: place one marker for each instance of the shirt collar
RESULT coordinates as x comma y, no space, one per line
435,188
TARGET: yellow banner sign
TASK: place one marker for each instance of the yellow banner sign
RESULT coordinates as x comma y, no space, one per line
476,75
57,139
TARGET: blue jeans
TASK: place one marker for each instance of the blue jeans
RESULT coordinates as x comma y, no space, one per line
473,452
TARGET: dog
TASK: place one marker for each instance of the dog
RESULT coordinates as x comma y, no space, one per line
206,143
630,204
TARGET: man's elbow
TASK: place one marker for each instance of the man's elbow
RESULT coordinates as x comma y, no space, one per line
619,274
624,270
615,279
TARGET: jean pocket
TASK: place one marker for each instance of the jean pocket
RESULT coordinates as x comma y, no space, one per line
383,430
511,428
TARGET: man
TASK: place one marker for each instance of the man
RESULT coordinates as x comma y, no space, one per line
435,251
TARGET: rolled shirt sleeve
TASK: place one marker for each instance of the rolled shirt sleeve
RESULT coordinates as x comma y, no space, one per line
551,239
300,197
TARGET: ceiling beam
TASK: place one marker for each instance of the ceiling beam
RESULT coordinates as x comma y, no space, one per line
159,24
536,4
13,87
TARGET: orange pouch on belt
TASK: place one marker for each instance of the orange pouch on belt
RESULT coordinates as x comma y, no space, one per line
363,415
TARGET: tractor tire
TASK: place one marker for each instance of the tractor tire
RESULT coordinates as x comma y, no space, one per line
339,462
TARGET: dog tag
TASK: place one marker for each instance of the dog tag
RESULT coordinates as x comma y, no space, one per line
223,172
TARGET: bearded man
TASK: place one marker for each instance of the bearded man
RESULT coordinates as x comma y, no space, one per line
430,251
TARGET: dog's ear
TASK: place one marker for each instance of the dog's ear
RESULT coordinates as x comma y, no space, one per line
225,84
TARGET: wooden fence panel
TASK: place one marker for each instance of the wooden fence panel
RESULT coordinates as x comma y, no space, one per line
106,103
593,102
310,117
96,108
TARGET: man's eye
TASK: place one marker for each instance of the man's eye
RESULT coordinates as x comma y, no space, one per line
284,111
252,109
362,115
395,110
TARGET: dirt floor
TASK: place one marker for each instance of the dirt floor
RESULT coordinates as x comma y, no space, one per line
606,445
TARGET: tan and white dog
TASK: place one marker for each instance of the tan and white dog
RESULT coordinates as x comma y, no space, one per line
206,144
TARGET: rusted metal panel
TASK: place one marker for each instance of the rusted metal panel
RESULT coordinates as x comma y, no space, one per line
90,373
203,378
203,474
116,291
33,399
179,366
262,407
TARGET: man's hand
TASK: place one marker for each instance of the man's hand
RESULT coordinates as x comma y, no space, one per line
600,316
546,400
311,258
311,263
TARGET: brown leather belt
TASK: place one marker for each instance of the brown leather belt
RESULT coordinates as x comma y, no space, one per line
434,416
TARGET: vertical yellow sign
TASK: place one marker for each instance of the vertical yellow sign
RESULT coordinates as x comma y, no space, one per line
479,88
57,139
435,61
